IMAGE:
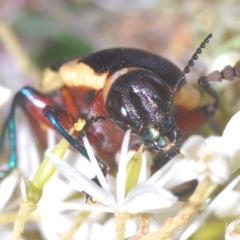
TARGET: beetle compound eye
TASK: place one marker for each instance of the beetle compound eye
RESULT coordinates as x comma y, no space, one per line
168,124
117,109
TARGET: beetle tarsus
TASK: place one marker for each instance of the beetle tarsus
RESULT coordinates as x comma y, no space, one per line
177,151
94,119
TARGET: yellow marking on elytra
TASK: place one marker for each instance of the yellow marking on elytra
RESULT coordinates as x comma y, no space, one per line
76,74
79,125
43,126
51,81
188,97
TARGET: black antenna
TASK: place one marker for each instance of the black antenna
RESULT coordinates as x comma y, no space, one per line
190,64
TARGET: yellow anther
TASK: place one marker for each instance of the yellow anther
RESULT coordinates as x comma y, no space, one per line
79,125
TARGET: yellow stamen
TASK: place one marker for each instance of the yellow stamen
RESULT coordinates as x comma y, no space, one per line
79,125
133,170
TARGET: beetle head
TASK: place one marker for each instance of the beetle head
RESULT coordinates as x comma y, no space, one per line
140,100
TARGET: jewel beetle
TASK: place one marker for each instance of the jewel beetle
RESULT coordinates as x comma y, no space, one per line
115,90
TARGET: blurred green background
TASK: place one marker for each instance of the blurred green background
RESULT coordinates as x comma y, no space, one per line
52,30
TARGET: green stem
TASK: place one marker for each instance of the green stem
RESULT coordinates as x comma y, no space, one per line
44,173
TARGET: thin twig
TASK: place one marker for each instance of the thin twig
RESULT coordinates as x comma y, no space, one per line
120,223
76,225
24,211
202,192
12,45
144,227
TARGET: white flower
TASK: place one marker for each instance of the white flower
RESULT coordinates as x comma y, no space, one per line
210,162
4,95
230,144
213,158
148,195
28,161
229,206
233,231
136,201
226,203
50,221
209,210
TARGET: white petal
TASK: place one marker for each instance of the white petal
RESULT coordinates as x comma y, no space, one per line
192,147
112,184
51,138
232,232
109,232
23,187
231,209
218,63
95,164
185,174
79,162
89,230
144,172
7,187
232,130
155,177
80,206
166,168
213,143
219,167
170,174
6,233
53,224
179,175
147,199
49,198
215,167
121,175
231,141
27,147
4,95
201,167
82,183
212,206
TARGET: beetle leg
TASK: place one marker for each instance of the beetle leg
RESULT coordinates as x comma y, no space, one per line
94,119
53,114
228,73
10,127
32,102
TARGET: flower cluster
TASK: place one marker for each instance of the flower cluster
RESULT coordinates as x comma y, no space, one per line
140,203
212,159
